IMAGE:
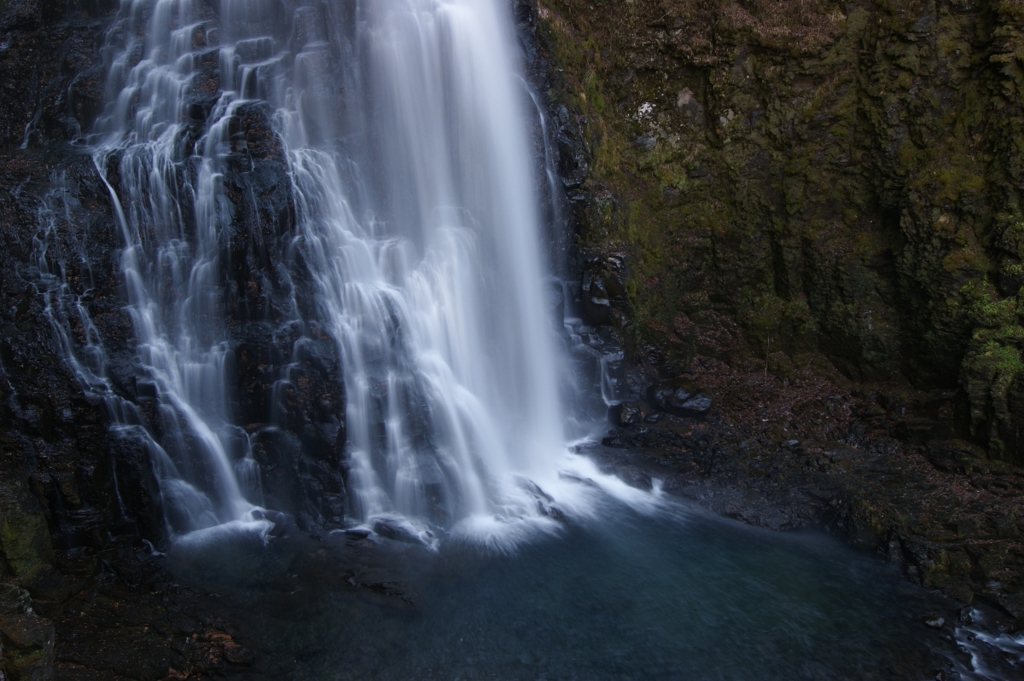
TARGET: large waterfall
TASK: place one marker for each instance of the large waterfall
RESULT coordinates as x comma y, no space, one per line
413,212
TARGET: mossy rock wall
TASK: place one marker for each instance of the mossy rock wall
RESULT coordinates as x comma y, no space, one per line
826,177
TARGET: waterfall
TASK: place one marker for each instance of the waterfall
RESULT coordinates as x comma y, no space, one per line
432,287
412,212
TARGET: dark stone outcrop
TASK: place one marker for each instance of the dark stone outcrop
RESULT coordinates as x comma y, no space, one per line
60,467
61,250
27,638
679,396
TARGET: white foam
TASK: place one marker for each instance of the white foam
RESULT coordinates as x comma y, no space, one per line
234,530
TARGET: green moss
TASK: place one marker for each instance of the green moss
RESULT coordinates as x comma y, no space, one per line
996,314
869,243
25,541
970,259
949,44
1002,359
607,152
909,156
1011,335
593,94
1012,238
986,308
672,175
35,664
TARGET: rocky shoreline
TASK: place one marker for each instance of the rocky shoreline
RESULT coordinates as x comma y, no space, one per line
873,465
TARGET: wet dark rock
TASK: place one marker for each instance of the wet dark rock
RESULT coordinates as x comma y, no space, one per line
603,296
396,529
555,300
27,638
290,478
612,441
698,405
76,498
148,628
628,414
24,532
597,309
680,396
236,654
137,485
666,395
358,533
646,142
956,456
573,153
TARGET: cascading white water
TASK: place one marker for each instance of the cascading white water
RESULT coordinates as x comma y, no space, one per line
434,292
172,215
416,216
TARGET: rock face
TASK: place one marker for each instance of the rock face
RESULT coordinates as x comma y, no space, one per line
71,489
56,474
59,465
811,209
806,177
60,268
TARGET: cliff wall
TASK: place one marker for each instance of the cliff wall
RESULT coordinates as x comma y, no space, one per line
811,210
809,178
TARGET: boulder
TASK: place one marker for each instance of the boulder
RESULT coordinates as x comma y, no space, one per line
627,414
679,396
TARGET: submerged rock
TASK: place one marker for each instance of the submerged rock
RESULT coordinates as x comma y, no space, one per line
400,530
